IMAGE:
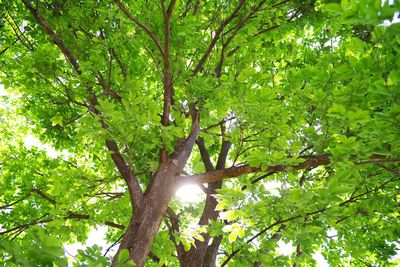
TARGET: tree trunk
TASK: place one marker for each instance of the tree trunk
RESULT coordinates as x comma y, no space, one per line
146,221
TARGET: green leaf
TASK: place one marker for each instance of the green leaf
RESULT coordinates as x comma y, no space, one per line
123,255
332,7
313,229
232,237
337,110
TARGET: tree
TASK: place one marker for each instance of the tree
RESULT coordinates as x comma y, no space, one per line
141,97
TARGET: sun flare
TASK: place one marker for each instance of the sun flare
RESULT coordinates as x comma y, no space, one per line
189,194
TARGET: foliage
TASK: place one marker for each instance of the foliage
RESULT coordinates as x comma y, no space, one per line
303,95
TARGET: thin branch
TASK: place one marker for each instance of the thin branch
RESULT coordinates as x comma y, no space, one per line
376,161
120,64
127,174
27,225
140,25
259,178
155,258
389,169
42,21
44,195
6,206
19,33
217,124
77,216
196,7
217,34
113,245
174,228
107,88
279,222
236,251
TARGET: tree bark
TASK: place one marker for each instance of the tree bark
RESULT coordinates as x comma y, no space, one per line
146,221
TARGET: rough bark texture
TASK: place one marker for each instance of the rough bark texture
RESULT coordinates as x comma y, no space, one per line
145,223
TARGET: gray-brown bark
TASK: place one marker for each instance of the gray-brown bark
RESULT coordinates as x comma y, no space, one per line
146,221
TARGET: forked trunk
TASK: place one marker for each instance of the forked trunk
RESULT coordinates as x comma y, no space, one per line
146,221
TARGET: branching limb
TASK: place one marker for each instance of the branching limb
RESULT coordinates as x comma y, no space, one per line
216,37
218,175
236,28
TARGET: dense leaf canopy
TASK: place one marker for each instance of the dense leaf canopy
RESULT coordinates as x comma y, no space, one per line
285,113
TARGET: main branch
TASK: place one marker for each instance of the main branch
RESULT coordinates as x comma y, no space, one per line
218,175
167,80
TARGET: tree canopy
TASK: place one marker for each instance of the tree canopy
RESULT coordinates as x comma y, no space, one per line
284,113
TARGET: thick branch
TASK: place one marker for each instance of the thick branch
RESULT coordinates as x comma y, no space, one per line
223,154
140,25
184,148
204,154
167,80
218,175
44,196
